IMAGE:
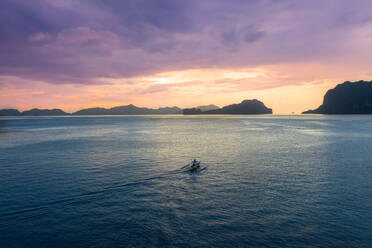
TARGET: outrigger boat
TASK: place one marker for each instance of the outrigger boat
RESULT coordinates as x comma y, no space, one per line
194,165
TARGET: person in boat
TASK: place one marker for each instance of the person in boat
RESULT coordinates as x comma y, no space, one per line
194,162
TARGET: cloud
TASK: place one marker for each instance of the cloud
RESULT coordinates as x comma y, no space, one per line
78,42
40,37
86,36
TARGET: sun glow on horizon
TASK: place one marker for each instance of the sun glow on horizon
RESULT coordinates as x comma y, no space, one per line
203,75
284,88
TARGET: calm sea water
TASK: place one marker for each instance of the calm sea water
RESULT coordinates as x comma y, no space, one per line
271,181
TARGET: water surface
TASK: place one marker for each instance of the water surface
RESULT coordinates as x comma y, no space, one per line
115,181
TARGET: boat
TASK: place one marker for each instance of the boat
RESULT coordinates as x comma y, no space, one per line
194,167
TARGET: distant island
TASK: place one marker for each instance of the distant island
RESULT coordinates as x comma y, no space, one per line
246,107
129,110
121,110
207,107
347,98
32,112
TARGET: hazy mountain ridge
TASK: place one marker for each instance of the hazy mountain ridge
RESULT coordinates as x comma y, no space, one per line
245,107
347,98
32,112
128,110
120,110
208,107
9,112
45,112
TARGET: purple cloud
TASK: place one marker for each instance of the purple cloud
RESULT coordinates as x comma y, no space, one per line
79,41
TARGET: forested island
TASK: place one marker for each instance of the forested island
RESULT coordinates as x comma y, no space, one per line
347,98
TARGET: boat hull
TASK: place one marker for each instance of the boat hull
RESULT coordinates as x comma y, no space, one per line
194,168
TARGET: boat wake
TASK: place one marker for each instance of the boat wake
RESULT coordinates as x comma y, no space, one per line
35,211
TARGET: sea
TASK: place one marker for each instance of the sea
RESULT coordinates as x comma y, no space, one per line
121,181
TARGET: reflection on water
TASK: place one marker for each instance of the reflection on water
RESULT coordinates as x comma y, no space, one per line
3,128
272,181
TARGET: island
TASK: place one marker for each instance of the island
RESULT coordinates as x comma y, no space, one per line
246,107
192,111
120,110
347,98
9,112
44,112
129,110
32,112
208,107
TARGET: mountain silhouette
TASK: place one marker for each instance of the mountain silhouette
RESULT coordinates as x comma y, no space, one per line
347,98
128,110
9,112
43,112
245,107
192,111
207,107
91,111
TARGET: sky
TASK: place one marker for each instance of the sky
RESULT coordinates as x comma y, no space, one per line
74,54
